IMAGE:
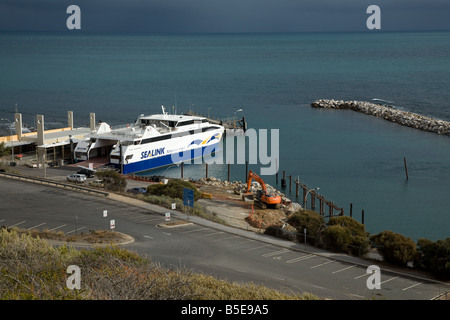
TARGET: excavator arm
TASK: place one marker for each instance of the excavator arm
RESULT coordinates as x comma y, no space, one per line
254,176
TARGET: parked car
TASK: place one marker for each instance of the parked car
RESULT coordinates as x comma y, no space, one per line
137,190
76,177
88,173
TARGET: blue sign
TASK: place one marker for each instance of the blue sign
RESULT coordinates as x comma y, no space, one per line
188,197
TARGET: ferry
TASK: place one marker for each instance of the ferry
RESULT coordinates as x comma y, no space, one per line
152,142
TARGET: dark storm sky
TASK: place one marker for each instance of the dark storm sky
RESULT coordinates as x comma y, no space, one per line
224,15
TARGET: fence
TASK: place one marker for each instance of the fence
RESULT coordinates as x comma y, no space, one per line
51,182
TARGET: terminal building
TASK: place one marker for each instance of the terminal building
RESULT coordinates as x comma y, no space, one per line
55,146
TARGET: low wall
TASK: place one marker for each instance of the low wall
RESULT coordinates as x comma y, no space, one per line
389,113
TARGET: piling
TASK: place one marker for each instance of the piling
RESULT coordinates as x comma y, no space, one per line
406,168
283,181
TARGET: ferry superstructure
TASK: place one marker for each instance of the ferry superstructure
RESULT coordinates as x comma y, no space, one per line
152,141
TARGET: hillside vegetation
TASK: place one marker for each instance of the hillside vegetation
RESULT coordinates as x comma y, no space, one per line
31,268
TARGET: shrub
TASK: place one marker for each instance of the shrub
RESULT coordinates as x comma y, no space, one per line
174,189
112,180
345,234
309,220
4,150
435,257
395,247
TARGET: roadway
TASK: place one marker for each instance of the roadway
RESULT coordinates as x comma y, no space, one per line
224,252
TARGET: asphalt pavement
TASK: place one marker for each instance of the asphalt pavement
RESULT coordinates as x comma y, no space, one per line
223,251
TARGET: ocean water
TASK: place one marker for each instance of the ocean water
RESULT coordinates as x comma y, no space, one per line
273,78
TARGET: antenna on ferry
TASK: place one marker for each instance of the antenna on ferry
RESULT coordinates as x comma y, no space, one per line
163,110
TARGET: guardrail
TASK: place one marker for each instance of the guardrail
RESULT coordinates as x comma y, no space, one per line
52,182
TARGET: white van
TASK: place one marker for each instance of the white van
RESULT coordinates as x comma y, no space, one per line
76,177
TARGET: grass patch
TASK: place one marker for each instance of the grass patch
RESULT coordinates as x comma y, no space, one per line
30,268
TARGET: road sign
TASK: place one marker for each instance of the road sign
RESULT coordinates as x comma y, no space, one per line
112,224
188,197
174,206
167,216
105,213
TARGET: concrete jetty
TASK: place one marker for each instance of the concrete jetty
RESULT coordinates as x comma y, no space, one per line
389,113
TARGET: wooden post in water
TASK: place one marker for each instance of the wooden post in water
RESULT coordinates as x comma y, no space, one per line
290,183
246,170
362,217
182,164
351,209
296,188
406,168
283,181
276,168
313,200
304,197
321,206
206,170
228,172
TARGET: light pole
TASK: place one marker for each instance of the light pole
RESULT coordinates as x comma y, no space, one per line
12,139
306,197
239,110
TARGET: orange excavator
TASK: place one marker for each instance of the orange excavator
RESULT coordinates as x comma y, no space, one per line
262,197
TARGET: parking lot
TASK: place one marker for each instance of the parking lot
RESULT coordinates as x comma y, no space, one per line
221,251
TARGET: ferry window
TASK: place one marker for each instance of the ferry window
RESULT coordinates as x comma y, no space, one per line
129,157
138,142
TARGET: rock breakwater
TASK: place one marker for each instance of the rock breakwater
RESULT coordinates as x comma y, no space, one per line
389,113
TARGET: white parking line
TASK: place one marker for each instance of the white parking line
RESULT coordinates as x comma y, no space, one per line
152,219
255,248
2,220
343,269
214,233
195,230
58,227
37,225
275,253
322,264
414,285
223,239
15,225
300,258
75,230
363,275
281,279
388,280
148,237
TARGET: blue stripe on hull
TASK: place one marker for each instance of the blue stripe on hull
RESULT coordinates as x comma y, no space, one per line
167,160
